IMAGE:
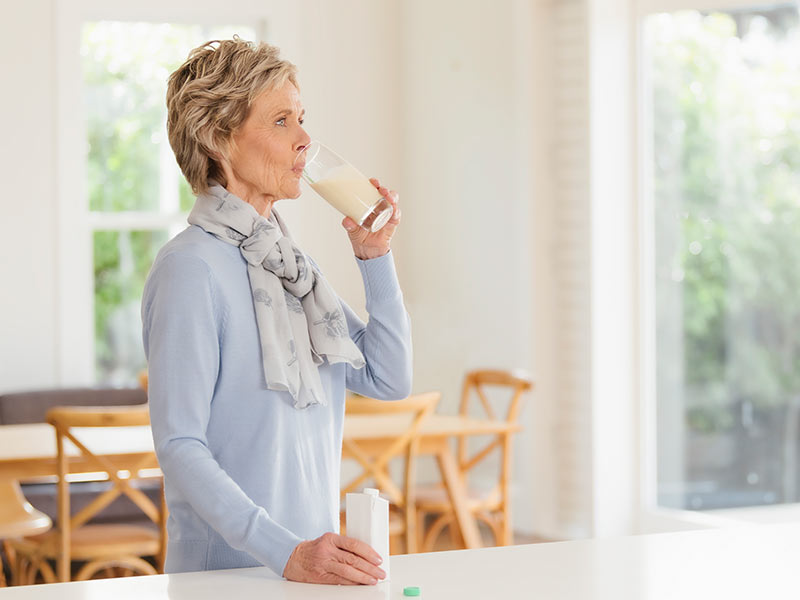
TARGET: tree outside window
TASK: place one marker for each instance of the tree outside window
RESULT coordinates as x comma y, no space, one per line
725,92
137,197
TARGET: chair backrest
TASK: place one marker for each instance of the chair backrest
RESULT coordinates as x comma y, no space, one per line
120,470
143,379
375,465
484,386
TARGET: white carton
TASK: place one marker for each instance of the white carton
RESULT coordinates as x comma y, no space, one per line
368,521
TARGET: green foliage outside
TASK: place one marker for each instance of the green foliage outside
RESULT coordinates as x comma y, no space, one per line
125,70
117,294
726,107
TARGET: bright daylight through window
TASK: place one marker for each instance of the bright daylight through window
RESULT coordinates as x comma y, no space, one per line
137,197
724,88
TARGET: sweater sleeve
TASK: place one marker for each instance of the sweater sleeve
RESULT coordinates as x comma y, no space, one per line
385,340
182,329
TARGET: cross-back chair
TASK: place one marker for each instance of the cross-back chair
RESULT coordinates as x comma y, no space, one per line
115,548
143,378
492,507
374,457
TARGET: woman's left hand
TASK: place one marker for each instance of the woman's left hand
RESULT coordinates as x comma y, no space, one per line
366,244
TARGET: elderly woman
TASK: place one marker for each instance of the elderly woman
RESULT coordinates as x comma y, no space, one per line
250,350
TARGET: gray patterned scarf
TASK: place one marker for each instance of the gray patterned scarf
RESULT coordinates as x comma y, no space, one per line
299,318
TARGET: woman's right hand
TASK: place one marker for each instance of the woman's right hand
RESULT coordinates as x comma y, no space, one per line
334,559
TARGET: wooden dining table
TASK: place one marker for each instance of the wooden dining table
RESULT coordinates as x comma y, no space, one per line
28,452
374,432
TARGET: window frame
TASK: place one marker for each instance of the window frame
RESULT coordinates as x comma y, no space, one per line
652,517
76,224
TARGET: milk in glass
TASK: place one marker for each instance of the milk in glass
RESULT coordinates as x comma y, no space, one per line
348,191
344,187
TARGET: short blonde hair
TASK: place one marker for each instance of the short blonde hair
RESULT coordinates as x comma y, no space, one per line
209,96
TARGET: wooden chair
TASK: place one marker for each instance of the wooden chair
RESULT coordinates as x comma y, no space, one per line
18,518
117,548
492,507
374,459
143,379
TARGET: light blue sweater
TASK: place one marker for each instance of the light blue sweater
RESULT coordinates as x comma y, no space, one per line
247,475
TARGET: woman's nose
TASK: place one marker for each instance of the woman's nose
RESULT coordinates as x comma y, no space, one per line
303,141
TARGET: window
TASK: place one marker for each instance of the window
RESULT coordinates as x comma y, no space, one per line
136,198
723,89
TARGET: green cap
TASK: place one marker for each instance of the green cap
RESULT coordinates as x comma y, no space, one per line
411,591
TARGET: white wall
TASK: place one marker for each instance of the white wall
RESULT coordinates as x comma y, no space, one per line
538,470
450,103
468,235
468,246
28,292
348,55
462,108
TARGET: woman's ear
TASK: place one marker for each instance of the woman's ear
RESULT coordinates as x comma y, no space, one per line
221,171
222,163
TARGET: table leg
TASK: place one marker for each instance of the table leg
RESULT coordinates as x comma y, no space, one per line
458,496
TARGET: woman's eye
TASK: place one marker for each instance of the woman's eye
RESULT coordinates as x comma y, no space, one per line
301,121
281,122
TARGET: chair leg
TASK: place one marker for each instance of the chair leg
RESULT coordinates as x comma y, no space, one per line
435,530
21,567
395,545
43,567
9,554
161,557
421,516
18,571
495,525
27,567
12,560
410,518
508,534
133,563
456,539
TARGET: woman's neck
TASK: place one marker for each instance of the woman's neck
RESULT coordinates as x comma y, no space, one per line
261,202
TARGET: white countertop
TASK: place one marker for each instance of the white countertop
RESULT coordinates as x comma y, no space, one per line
751,562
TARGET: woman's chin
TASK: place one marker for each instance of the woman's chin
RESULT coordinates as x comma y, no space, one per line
293,192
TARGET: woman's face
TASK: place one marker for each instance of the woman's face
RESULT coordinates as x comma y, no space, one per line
261,159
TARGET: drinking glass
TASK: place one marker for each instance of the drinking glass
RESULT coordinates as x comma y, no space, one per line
344,187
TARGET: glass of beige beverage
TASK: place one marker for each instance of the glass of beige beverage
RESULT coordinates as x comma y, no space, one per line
344,187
